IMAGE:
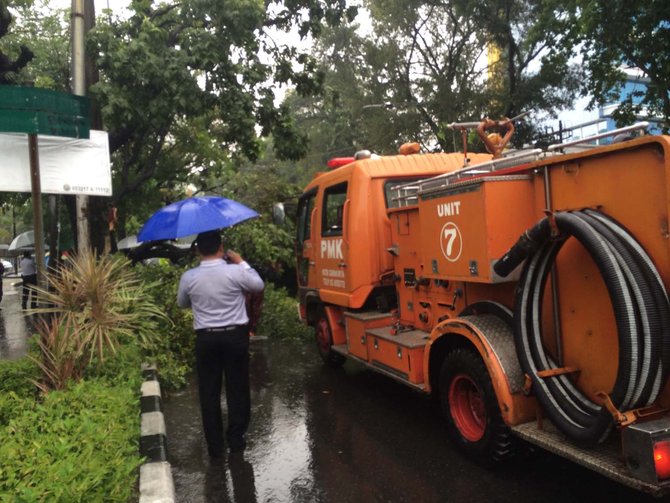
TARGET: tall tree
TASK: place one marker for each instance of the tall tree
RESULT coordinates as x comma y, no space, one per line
423,65
524,73
615,34
10,66
428,65
188,88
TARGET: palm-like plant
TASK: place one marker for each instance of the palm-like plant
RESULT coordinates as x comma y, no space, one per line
94,304
60,358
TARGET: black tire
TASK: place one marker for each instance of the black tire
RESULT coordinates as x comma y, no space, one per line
471,410
324,341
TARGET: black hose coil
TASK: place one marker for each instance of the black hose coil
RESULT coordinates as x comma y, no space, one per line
641,310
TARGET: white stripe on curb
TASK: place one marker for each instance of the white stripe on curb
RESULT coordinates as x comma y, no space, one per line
156,484
151,388
153,423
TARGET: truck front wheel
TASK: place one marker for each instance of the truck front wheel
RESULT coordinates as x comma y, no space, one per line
471,410
324,341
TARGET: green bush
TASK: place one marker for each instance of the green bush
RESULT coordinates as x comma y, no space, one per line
94,305
279,317
79,444
172,348
121,370
13,406
17,376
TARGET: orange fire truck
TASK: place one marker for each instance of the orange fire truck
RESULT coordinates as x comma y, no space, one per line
525,290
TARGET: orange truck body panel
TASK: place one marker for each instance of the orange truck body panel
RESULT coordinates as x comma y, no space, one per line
472,227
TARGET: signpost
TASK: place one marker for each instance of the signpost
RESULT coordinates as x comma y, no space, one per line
42,111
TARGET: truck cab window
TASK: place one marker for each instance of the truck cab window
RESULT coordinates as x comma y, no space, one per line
305,206
333,210
395,188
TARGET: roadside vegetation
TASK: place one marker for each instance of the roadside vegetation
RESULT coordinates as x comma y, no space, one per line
79,443
69,421
69,410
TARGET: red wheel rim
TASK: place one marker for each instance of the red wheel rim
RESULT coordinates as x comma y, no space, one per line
323,338
466,405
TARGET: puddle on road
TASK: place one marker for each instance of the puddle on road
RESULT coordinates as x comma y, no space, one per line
276,464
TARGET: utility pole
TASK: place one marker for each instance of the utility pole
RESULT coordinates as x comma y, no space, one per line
79,88
36,196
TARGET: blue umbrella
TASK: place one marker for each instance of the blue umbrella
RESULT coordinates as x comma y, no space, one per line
192,216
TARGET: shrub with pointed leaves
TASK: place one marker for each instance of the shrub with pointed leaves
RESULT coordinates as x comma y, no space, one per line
91,305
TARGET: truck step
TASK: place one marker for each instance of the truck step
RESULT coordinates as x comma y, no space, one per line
605,458
408,339
342,349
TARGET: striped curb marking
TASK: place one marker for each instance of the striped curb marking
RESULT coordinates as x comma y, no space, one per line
156,484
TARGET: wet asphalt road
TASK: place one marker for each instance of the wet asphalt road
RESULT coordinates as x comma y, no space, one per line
338,435
349,435
13,333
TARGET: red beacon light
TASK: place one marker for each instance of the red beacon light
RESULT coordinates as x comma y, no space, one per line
337,162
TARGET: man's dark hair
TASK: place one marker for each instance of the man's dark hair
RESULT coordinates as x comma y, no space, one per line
208,242
26,254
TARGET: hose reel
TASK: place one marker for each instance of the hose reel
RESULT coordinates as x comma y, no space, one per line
641,309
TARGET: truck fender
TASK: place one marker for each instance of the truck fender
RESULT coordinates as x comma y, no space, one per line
493,339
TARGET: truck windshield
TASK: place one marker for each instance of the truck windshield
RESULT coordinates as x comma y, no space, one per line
333,209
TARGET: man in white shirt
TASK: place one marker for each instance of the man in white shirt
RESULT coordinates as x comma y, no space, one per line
215,291
29,278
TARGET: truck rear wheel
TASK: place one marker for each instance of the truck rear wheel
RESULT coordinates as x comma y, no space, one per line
324,341
471,410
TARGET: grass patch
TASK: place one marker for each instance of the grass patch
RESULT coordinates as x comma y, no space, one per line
76,444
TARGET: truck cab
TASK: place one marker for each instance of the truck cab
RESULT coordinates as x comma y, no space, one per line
344,246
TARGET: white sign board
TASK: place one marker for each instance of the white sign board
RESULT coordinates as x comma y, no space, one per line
67,165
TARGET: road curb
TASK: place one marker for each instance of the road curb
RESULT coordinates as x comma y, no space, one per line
156,484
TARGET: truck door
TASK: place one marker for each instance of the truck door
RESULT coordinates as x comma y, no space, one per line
332,253
305,241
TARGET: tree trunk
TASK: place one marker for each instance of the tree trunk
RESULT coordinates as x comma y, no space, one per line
71,205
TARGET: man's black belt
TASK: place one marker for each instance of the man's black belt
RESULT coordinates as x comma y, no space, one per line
218,330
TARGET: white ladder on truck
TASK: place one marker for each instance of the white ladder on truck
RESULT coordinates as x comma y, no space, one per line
408,194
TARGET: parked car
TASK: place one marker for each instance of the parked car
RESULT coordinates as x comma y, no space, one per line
9,267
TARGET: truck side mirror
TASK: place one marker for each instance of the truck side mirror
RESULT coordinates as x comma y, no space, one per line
278,214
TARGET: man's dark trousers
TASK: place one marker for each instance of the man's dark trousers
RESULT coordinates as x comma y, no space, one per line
219,353
28,281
